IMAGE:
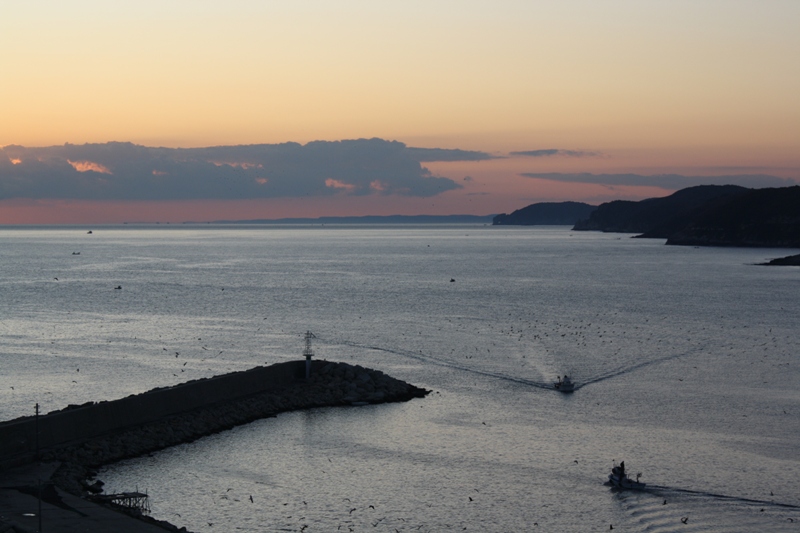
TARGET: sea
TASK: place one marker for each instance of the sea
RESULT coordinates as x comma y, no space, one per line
686,360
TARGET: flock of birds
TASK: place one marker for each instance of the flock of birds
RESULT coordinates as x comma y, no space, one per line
538,345
352,518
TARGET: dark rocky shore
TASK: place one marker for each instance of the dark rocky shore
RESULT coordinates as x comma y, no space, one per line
329,385
792,260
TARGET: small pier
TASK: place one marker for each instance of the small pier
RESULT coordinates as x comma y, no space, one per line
130,501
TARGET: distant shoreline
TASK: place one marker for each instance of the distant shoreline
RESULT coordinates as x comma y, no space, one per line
791,260
388,220
368,219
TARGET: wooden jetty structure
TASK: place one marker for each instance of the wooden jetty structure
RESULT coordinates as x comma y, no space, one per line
138,502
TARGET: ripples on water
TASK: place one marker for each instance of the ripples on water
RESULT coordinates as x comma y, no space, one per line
686,359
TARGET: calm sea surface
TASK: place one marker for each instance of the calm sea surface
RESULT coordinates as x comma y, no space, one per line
688,362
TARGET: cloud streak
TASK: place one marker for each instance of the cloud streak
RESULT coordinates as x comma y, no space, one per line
430,155
666,181
556,152
125,171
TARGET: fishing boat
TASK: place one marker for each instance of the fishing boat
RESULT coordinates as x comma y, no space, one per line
619,479
564,385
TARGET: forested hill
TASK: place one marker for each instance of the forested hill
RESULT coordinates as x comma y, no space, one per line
654,214
708,215
546,213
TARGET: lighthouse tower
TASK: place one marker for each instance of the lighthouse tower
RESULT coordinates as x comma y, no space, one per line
308,352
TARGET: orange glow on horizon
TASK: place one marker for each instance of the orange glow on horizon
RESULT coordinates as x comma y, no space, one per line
474,199
497,78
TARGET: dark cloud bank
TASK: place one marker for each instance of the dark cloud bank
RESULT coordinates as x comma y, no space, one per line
125,171
667,181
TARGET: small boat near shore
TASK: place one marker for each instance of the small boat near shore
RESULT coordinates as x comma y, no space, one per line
564,385
619,479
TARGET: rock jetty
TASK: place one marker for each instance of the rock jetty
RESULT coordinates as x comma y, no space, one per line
330,384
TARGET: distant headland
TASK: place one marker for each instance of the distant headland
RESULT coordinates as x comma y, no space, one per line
546,214
708,215
705,215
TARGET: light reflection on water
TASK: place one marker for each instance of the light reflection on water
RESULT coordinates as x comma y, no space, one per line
687,361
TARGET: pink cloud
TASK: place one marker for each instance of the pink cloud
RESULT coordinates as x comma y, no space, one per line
245,166
336,184
86,166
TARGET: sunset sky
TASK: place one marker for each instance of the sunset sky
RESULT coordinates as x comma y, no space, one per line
242,109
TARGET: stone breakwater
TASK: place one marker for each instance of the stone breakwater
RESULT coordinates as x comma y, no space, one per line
330,385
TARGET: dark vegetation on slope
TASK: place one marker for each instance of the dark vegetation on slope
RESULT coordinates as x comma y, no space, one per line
546,213
708,215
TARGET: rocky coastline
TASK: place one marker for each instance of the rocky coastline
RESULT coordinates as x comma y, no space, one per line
330,384
792,260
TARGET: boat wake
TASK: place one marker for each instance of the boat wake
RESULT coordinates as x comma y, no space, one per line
658,508
632,368
628,369
545,384
420,356
764,503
